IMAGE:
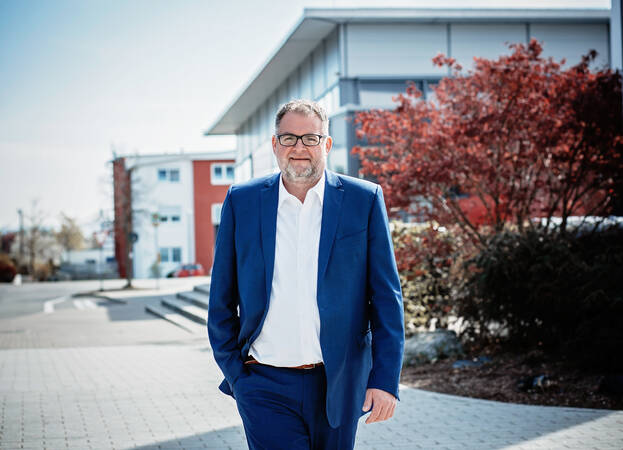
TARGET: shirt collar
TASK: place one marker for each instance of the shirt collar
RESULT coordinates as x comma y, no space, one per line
317,189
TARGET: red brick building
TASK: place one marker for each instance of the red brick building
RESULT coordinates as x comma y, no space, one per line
167,209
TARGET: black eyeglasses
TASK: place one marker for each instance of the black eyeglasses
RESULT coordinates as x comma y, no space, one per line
308,140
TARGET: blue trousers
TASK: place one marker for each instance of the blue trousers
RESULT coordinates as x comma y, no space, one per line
285,409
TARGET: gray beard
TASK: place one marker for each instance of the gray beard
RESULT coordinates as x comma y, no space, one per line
293,175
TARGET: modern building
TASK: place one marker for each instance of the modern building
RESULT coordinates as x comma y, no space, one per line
167,207
353,59
616,35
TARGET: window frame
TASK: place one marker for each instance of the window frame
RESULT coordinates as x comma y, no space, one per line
222,180
164,174
177,171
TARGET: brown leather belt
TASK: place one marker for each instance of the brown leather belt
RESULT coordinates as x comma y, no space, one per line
252,360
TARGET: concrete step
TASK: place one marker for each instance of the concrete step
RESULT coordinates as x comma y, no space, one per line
186,309
175,318
196,298
203,288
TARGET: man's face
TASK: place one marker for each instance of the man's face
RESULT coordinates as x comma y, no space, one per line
301,162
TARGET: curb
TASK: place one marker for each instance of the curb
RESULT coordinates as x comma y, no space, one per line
111,299
97,294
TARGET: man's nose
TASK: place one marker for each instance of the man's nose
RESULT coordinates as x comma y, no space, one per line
299,145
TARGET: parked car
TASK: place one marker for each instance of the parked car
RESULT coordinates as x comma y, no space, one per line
187,270
60,275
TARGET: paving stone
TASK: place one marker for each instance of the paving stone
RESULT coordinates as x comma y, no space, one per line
163,394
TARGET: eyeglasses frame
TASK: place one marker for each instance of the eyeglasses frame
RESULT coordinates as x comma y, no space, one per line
319,136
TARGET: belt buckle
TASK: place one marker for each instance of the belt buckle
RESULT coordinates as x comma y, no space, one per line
312,365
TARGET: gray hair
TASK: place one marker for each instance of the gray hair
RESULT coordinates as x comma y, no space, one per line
306,108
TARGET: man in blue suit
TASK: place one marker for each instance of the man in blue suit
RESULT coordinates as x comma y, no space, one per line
305,316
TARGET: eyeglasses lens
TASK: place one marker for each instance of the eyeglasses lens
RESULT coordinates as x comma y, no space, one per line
310,139
290,140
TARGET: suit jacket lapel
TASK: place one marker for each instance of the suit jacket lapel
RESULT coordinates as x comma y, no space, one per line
268,210
332,202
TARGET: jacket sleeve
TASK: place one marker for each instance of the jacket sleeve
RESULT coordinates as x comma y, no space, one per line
386,309
223,319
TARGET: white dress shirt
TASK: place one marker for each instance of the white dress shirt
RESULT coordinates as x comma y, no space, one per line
290,335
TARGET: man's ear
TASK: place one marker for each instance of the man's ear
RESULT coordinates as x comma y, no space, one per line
274,141
328,144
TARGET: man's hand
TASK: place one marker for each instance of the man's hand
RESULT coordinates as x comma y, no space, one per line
382,403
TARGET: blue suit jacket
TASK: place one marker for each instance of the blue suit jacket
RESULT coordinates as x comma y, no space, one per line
359,296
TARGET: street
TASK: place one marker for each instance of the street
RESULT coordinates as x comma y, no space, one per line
97,373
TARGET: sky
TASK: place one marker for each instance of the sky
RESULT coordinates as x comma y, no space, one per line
79,79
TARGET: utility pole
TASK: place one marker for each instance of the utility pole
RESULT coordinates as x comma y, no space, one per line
21,236
155,221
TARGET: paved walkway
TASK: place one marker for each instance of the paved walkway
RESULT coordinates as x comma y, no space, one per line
154,395
161,393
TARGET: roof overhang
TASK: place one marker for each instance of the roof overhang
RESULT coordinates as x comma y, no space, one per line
316,24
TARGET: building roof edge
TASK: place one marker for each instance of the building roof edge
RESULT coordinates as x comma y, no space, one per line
316,23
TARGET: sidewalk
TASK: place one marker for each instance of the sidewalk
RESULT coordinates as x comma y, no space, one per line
156,396
162,393
113,289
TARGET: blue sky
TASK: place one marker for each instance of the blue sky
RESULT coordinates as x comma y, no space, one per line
79,77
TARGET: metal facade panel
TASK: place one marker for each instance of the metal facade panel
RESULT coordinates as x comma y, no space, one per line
332,55
571,41
400,49
485,40
319,70
306,80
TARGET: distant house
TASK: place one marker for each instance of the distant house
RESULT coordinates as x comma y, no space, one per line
180,193
354,59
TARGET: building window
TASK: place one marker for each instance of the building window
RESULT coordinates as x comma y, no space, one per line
222,174
170,213
171,254
172,175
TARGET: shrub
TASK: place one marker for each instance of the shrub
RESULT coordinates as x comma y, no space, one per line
562,292
427,257
7,268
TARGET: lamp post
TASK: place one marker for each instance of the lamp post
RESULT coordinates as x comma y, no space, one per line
155,221
100,238
21,238
100,245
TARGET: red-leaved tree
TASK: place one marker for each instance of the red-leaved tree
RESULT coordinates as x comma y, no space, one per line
521,135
